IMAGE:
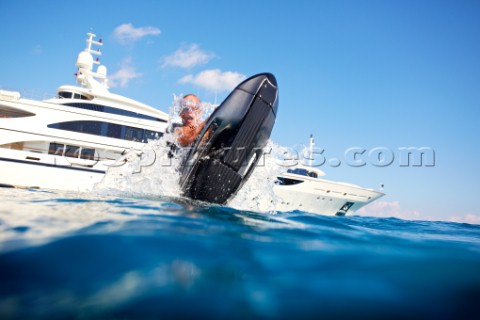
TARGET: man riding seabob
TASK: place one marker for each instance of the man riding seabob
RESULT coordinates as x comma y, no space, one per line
191,112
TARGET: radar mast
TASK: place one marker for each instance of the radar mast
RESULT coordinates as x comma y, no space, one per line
86,77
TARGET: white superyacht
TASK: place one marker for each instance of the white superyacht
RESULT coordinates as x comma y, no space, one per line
69,141
303,188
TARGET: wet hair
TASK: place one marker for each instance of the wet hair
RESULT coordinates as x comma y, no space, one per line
190,95
189,100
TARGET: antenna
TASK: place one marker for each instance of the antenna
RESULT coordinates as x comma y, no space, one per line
312,143
89,49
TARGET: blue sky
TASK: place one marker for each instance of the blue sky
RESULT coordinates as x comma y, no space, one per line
364,74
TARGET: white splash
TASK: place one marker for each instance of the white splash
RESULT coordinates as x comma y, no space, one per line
152,172
257,193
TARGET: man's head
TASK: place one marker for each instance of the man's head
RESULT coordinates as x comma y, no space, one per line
191,110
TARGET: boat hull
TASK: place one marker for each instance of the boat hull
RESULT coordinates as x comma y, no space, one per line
34,174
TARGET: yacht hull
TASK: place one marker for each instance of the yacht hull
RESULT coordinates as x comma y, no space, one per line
35,174
321,196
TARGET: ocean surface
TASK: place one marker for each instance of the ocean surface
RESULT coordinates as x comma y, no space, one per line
129,256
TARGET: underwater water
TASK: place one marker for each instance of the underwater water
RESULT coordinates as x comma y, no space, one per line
125,256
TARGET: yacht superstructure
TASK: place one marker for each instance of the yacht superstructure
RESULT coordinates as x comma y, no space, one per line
69,141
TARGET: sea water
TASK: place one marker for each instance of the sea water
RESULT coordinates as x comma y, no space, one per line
134,249
78,255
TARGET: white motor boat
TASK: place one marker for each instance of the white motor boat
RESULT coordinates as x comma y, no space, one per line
302,188
68,142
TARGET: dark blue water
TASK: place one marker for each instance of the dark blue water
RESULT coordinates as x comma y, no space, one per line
108,257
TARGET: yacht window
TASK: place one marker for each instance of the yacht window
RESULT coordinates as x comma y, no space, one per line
112,110
92,127
107,129
80,96
65,94
88,154
114,130
152,135
134,134
72,151
72,95
287,181
312,174
55,148
10,112
303,172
